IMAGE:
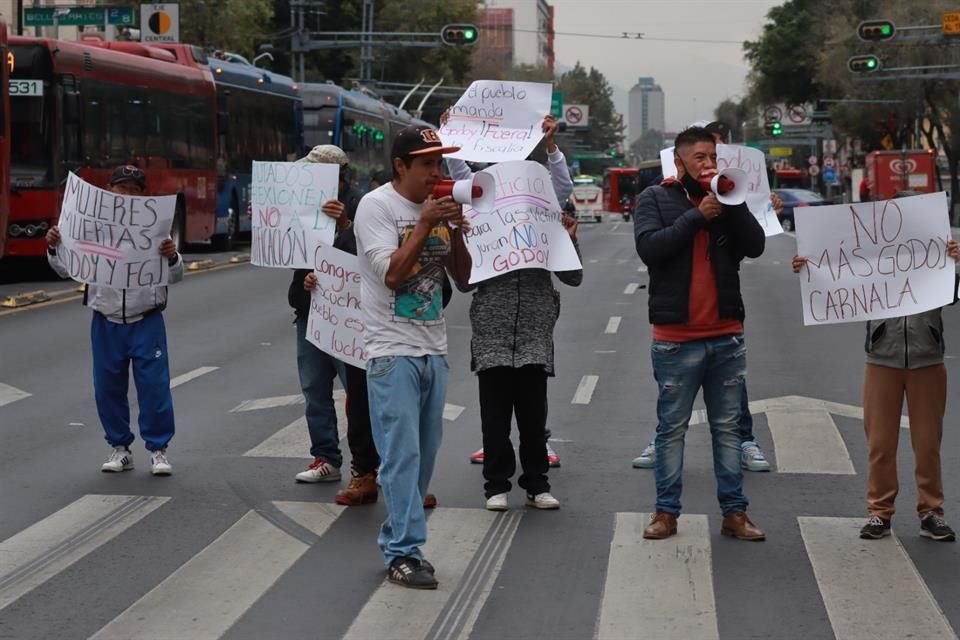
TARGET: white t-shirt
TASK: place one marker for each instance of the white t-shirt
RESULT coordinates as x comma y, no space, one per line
407,321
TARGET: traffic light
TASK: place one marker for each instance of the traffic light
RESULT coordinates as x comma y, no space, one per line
459,34
863,64
775,129
876,30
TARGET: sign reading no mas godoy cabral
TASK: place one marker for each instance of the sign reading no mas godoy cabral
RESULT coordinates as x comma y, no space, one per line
113,240
288,224
495,121
874,260
524,231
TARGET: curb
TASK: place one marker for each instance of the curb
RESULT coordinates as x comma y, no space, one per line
200,265
24,299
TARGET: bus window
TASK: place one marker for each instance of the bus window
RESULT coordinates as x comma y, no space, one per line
31,137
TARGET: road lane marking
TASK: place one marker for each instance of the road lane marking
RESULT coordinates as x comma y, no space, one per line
642,268
191,375
613,324
452,411
605,351
870,588
41,551
293,441
208,594
268,403
593,261
631,288
808,441
468,547
10,394
682,605
585,389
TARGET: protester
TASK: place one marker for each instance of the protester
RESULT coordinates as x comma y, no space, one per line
692,246
317,370
127,326
405,239
904,360
751,456
512,318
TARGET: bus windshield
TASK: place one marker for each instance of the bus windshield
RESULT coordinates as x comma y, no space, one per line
30,124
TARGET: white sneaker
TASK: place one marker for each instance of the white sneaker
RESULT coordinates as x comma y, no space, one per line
752,459
320,471
543,501
160,465
120,460
497,502
647,459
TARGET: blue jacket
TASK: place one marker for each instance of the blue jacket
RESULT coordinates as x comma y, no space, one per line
664,226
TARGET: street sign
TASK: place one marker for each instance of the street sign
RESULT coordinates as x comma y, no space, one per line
951,23
772,114
556,105
576,115
77,16
813,170
829,176
798,114
813,161
827,164
160,22
781,152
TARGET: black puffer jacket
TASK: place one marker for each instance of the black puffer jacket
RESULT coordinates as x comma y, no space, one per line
664,226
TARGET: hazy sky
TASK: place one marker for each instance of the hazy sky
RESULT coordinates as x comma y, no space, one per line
695,77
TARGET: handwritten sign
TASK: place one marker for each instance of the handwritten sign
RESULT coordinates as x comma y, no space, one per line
335,324
287,221
524,231
113,240
495,121
874,260
754,163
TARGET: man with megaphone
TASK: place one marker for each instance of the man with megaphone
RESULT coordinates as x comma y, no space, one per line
692,240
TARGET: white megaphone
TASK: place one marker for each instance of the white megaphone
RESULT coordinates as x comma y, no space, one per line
479,192
730,185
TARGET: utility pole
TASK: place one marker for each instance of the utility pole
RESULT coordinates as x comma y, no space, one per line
366,51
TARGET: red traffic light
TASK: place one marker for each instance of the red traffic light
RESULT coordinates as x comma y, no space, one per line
876,30
863,64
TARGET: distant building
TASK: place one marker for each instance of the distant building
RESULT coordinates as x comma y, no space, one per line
645,109
524,28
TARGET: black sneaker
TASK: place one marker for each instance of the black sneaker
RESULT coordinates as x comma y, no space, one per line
933,526
410,572
427,566
875,528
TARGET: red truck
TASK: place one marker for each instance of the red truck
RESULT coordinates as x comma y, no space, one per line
889,172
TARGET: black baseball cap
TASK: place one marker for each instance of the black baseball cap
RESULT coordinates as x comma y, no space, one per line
419,141
719,128
129,173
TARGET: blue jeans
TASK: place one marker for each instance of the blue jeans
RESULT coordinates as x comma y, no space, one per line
718,366
406,397
115,347
317,371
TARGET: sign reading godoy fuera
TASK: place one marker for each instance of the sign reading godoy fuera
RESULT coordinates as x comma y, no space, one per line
495,121
524,231
335,324
288,225
754,164
874,260
113,240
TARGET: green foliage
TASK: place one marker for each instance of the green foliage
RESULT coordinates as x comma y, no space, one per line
580,86
648,145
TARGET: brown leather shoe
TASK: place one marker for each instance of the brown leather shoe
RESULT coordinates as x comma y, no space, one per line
739,526
663,525
361,490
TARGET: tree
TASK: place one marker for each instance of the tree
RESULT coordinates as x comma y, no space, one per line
735,115
580,86
648,145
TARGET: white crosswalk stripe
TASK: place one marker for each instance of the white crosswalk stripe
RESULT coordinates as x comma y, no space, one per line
191,375
46,548
10,394
293,441
207,595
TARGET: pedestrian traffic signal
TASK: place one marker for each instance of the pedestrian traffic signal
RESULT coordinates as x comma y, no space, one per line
459,34
863,64
876,30
775,129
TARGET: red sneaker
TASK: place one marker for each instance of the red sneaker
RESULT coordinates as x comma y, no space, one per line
477,456
429,501
552,458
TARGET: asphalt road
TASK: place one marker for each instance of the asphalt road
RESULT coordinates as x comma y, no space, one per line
231,547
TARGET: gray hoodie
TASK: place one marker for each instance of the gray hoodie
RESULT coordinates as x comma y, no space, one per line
123,306
908,342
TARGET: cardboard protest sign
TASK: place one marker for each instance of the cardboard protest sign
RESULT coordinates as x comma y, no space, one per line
113,240
754,163
495,121
524,231
335,324
288,224
667,165
874,260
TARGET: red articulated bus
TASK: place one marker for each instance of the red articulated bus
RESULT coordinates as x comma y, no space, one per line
6,66
84,108
622,185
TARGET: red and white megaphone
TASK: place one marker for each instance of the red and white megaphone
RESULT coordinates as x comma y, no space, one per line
479,192
730,185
